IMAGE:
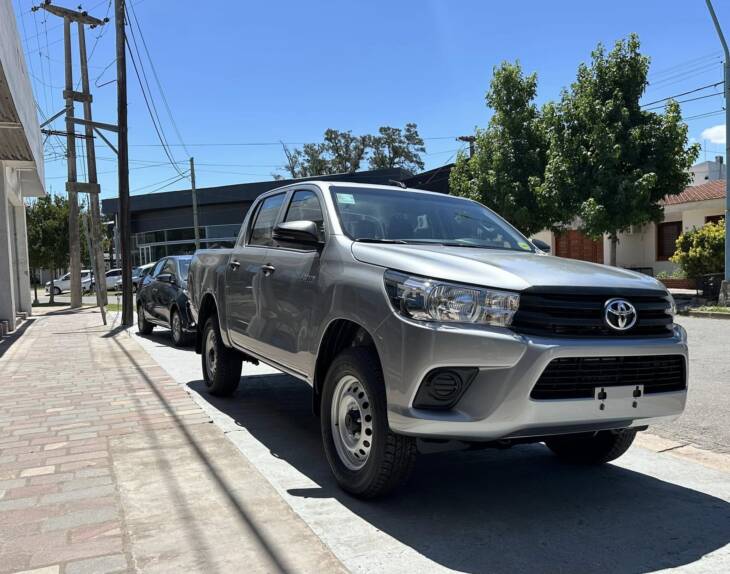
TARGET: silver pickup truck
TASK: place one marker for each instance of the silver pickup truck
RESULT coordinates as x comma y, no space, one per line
424,321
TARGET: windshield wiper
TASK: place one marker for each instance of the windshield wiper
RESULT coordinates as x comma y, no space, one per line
473,246
374,240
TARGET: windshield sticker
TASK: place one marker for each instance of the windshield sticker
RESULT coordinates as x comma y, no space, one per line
345,198
524,245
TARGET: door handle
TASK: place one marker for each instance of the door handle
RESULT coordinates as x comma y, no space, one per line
268,269
234,264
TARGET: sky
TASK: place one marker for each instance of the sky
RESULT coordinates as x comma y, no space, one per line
234,72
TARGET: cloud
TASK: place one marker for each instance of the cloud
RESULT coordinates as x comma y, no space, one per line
715,134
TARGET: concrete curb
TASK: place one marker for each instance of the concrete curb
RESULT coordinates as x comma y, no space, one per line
709,314
715,460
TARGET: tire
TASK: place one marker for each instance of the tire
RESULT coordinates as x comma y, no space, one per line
221,365
355,380
179,337
56,290
143,325
592,448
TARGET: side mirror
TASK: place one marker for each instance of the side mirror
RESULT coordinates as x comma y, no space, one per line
166,278
541,245
298,232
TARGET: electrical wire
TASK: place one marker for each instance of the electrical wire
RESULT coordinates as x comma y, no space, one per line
685,101
705,115
684,93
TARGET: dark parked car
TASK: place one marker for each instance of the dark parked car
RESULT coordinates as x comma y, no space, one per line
162,299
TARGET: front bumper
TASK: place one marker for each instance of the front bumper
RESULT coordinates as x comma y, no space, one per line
497,404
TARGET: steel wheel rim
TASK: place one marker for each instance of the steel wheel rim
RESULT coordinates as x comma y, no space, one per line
351,422
211,355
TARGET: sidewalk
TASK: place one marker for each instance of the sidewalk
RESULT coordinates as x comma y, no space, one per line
108,465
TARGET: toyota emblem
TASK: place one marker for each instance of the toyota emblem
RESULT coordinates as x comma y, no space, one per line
619,314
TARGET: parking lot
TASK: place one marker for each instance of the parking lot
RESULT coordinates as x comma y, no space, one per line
501,511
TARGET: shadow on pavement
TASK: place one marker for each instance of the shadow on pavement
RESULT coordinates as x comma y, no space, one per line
9,340
518,510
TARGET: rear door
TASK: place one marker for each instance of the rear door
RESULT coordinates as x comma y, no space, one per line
246,320
289,290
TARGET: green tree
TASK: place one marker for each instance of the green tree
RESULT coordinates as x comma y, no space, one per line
47,223
507,168
343,152
702,251
610,162
393,147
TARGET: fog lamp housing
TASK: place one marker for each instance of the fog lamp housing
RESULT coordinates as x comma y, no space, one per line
442,387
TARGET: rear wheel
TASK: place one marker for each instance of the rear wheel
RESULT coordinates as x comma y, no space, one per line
179,337
221,365
366,457
592,448
143,325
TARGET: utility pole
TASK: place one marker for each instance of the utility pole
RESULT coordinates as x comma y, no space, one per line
471,140
74,187
195,203
97,251
123,153
725,290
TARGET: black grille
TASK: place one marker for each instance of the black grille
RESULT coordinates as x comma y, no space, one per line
568,312
577,378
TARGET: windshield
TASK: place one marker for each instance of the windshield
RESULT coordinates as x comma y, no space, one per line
382,215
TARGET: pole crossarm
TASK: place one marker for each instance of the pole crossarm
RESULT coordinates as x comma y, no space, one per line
72,15
64,134
98,125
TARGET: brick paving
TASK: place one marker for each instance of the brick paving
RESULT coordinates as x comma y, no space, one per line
66,391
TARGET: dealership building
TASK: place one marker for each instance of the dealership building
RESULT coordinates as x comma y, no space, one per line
162,223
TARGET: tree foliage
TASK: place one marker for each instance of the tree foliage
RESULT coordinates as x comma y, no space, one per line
507,168
343,152
610,162
702,251
47,224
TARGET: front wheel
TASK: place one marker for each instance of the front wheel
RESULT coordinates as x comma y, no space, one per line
221,365
366,457
56,290
592,448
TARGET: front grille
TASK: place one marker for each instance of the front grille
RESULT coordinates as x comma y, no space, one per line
568,312
578,377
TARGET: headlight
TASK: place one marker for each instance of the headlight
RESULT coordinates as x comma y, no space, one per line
672,305
426,299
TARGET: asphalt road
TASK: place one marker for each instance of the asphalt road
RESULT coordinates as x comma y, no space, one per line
706,420
492,511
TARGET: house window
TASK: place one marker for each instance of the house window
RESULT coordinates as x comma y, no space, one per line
714,218
667,235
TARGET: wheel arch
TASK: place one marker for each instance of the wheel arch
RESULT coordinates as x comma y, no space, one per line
208,308
340,334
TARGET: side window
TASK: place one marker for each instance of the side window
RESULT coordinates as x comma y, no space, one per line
158,268
305,206
170,267
263,223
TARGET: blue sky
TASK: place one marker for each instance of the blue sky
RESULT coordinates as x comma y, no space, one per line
261,72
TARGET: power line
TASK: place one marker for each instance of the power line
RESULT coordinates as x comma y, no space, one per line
705,115
685,93
685,101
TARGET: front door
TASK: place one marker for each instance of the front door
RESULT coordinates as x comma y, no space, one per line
244,275
289,291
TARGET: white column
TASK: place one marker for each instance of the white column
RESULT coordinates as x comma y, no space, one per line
25,301
7,273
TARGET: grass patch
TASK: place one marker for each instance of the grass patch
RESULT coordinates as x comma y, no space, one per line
114,307
55,304
712,309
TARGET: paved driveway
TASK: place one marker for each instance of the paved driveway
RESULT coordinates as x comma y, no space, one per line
498,511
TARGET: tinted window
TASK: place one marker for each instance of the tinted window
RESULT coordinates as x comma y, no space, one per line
158,268
169,267
304,206
265,218
184,265
408,216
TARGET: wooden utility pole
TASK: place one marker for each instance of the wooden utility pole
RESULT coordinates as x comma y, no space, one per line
470,140
97,257
195,204
122,144
74,240
74,187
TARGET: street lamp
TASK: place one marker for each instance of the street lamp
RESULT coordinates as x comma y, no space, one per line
725,291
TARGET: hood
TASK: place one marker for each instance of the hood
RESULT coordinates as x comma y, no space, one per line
499,268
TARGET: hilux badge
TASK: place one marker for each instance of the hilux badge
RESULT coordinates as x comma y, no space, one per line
619,314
